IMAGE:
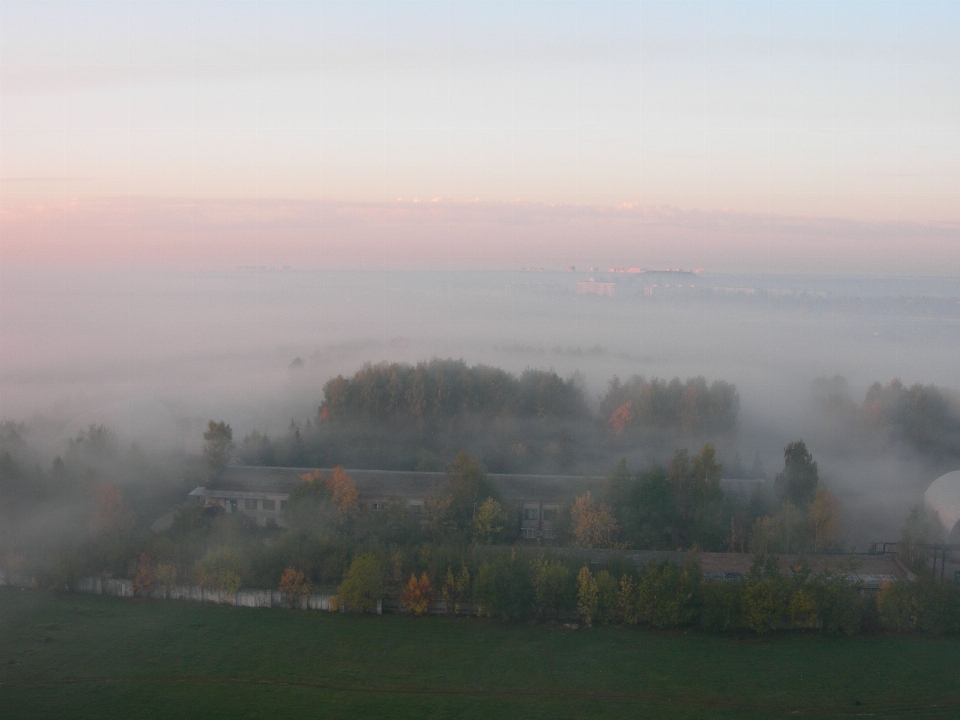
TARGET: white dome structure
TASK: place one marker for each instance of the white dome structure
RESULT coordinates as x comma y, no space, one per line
943,498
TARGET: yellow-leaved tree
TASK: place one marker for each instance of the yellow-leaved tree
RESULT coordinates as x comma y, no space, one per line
588,595
488,522
824,519
594,525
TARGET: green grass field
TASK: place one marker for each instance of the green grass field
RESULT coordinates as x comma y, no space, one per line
78,656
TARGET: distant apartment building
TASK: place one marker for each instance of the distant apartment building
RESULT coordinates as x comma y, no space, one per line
592,287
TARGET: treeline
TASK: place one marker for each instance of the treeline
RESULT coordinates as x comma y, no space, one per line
418,417
692,406
678,507
682,506
463,549
513,586
924,419
444,390
42,500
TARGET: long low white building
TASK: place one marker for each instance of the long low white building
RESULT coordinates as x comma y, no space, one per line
262,492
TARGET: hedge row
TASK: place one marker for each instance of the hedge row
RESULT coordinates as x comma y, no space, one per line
512,587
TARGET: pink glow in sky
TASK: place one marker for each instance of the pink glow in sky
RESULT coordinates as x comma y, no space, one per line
790,135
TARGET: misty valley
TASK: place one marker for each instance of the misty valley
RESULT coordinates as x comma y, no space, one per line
470,359
272,479
443,472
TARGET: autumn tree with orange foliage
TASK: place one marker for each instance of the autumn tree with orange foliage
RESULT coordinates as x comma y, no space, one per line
593,523
621,417
144,581
294,586
418,595
343,490
319,501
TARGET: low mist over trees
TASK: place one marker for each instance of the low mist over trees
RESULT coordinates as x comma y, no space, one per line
443,390
418,417
692,406
217,444
92,505
925,417
923,420
465,547
677,507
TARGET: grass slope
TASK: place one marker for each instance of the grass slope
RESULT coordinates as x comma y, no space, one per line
84,656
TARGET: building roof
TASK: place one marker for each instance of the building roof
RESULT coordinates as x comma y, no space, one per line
943,498
400,483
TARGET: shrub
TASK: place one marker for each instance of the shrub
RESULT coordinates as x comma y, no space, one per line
362,586
839,605
938,605
667,594
720,606
456,589
627,601
897,607
166,575
765,596
221,569
588,595
503,588
608,596
803,609
553,589
763,604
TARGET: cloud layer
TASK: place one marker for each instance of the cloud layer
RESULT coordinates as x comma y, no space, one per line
223,234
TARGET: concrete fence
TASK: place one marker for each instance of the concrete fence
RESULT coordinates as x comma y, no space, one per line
245,597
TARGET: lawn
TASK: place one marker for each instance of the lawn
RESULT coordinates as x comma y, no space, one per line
78,656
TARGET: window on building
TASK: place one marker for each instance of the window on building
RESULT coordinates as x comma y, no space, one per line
530,513
548,533
416,509
269,504
377,507
549,514
249,504
528,533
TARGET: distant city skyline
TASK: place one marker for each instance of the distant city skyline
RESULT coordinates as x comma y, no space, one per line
807,136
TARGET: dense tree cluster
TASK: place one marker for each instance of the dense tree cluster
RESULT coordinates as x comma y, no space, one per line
925,417
677,507
442,390
464,552
682,506
518,585
922,419
406,417
692,406
95,486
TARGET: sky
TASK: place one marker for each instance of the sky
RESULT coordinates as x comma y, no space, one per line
769,136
